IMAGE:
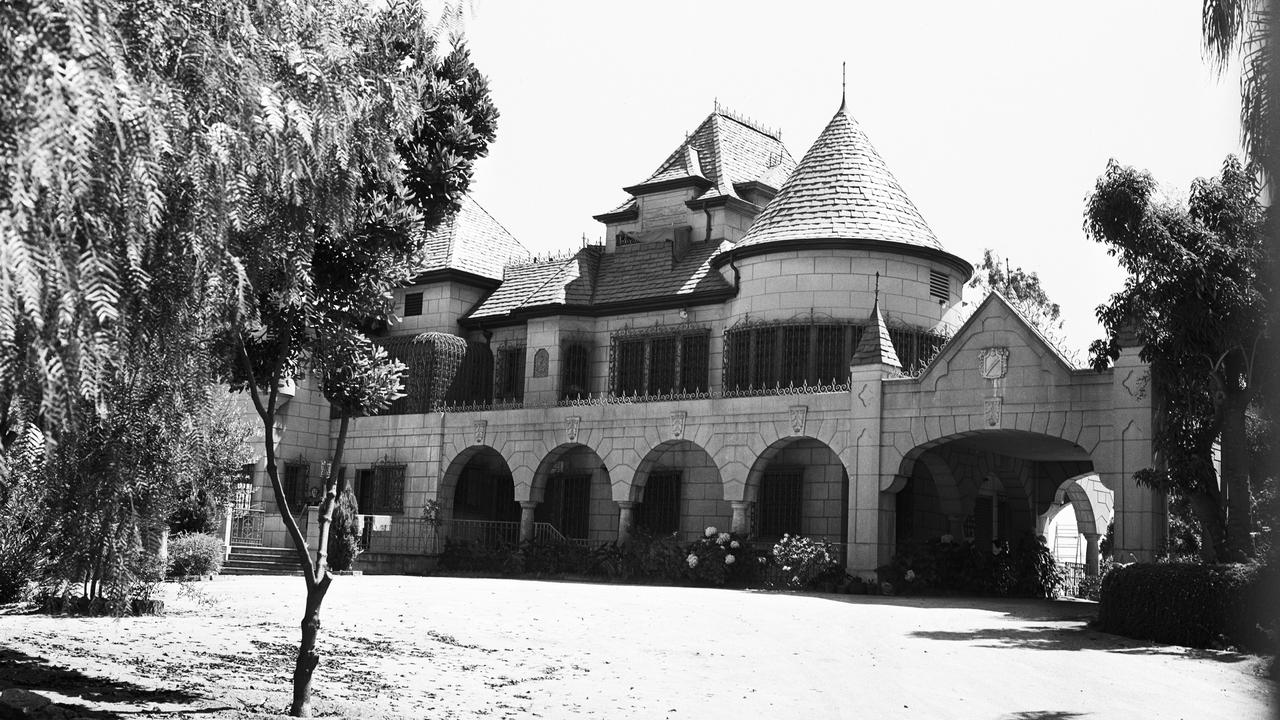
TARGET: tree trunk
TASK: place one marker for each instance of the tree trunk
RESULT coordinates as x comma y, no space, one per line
1235,477
305,667
1208,512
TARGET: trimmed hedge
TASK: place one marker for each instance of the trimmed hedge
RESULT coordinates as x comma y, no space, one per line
1205,606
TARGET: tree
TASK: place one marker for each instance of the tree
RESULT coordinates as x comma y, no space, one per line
1194,303
1249,29
331,200
1024,292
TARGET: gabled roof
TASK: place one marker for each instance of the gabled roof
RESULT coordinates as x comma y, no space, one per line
984,308
725,150
876,346
842,191
594,282
471,241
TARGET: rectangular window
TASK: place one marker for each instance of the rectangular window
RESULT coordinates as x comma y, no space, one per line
295,485
737,351
380,490
412,304
794,369
780,503
939,285
243,496
764,358
509,383
694,353
662,365
659,513
630,367
831,361
575,371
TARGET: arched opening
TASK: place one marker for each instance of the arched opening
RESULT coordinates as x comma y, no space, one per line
679,491
799,486
479,495
985,486
574,496
1079,516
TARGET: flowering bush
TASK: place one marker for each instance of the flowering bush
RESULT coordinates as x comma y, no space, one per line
944,566
799,562
720,558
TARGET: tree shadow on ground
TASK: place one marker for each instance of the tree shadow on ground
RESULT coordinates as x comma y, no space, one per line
38,675
1043,715
1074,638
1032,609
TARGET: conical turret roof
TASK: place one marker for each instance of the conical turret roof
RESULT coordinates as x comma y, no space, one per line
876,347
841,191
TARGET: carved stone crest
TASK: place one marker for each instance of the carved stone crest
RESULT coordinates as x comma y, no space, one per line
677,424
480,427
991,411
540,362
993,362
799,413
571,425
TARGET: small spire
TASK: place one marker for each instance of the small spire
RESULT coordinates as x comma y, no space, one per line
842,84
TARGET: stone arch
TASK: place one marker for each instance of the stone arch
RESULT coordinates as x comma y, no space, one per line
690,496
822,495
573,492
456,467
961,482
1090,500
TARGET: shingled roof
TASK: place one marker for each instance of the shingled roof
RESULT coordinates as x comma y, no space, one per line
471,241
841,190
724,151
592,281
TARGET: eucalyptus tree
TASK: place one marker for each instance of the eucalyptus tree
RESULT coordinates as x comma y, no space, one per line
1195,303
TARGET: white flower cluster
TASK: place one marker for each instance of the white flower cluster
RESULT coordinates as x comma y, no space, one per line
692,560
711,531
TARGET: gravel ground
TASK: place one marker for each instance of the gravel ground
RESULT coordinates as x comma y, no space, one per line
440,647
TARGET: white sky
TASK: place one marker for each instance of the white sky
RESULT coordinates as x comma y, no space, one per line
996,117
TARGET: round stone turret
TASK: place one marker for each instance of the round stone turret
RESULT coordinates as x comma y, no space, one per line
839,219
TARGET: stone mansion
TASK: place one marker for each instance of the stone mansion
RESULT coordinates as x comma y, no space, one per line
760,345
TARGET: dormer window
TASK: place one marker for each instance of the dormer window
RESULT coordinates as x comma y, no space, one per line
412,304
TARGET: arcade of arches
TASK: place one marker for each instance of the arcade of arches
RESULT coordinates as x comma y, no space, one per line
987,486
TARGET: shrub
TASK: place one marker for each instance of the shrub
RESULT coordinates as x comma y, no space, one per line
1189,604
798,562
195,554
944,566
719,558
344,533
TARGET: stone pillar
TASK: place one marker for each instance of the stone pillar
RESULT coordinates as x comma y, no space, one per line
741,517
626,519
1141,517
228,513
526,519
1091,554
871,511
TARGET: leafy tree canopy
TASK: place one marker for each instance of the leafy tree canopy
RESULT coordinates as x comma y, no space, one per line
1194,303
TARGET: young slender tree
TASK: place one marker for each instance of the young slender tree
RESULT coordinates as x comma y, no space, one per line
364,153
1195,301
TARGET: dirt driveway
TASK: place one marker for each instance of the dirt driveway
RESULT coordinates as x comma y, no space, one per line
440,647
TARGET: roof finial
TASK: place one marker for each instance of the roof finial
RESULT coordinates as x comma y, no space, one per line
842,82
877,287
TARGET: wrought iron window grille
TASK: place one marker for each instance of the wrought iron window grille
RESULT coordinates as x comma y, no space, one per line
767,356
575,368
659,361
508,372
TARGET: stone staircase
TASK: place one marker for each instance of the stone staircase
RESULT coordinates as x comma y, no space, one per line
251,560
